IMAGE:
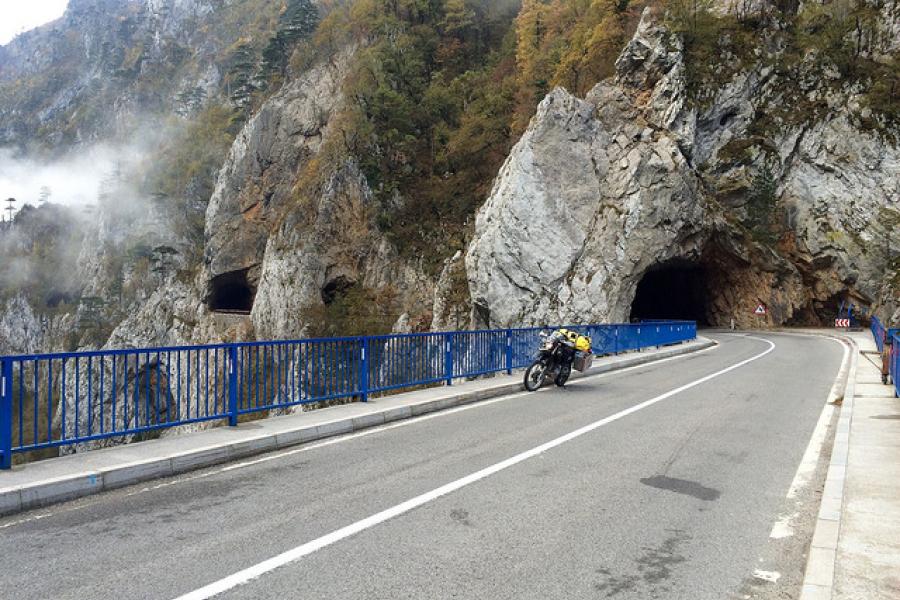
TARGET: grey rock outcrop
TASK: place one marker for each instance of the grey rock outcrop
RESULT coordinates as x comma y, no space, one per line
331,245
635,178
261,170
21,331
103,56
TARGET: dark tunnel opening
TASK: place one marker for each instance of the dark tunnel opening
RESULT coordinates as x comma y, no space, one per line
336,288
231,293
675,291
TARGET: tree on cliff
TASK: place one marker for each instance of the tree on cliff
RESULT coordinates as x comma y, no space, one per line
298,21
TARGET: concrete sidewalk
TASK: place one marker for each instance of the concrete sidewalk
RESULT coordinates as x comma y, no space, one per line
65,478
855,552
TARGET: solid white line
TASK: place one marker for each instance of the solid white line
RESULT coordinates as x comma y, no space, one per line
247,575
784,526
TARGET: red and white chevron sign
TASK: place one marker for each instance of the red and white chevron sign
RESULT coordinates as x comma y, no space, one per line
842,322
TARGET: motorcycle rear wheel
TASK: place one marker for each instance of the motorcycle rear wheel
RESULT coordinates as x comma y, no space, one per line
563,375
534,376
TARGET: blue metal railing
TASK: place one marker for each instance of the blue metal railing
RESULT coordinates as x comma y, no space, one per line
881,334
62,399
894,369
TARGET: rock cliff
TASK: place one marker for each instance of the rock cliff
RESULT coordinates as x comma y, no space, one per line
258,178
638,179
105,68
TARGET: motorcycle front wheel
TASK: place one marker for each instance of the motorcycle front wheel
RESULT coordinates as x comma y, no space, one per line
563,375
534,376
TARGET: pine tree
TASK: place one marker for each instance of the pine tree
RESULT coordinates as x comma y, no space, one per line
761,204
242,65
298,21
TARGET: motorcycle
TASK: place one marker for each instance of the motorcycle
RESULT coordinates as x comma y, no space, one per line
553,362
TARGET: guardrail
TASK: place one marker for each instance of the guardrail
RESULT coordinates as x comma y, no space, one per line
62,399
881,334
895,361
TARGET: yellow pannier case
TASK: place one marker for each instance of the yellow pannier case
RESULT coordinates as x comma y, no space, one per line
583,343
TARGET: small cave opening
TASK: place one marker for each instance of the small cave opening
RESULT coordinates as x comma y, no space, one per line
675,290
231,293
336,288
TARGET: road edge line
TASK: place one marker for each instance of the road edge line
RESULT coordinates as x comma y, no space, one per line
818,578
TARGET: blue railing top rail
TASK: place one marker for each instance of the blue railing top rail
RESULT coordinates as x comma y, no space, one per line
290,342
880,332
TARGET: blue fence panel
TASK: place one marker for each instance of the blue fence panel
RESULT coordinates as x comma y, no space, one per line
895,362
278,375
878,332
524,344
881,334
401,361
68,398
62,399
478,352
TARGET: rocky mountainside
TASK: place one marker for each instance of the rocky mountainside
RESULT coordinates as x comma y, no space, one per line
113,69
368,180
341,168
741,198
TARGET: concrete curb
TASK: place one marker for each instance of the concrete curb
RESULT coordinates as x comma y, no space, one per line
86,483
818,581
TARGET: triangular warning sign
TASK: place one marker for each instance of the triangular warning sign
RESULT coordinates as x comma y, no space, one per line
760,310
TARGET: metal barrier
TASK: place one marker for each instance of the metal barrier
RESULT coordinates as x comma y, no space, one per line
111,396
879,332
895,361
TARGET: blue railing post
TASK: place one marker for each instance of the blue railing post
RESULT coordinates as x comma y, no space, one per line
616,341
448,358
364,370
509,352
6,415
233,386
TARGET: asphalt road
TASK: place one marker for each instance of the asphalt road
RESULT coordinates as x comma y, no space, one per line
675,499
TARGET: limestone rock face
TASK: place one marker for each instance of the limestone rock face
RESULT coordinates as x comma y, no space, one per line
21,332
594,193
635,178
261,169
451,307
332,244
110,50
581,192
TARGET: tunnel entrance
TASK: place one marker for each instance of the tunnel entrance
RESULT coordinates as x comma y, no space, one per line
231,293
673,291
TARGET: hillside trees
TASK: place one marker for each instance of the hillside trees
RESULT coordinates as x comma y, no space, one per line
442,88
297,22
569,43
429,112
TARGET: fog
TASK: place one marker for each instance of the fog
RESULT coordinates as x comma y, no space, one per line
72,181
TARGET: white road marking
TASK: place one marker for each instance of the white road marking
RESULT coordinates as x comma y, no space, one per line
92,500
770,576
783,527
255,571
